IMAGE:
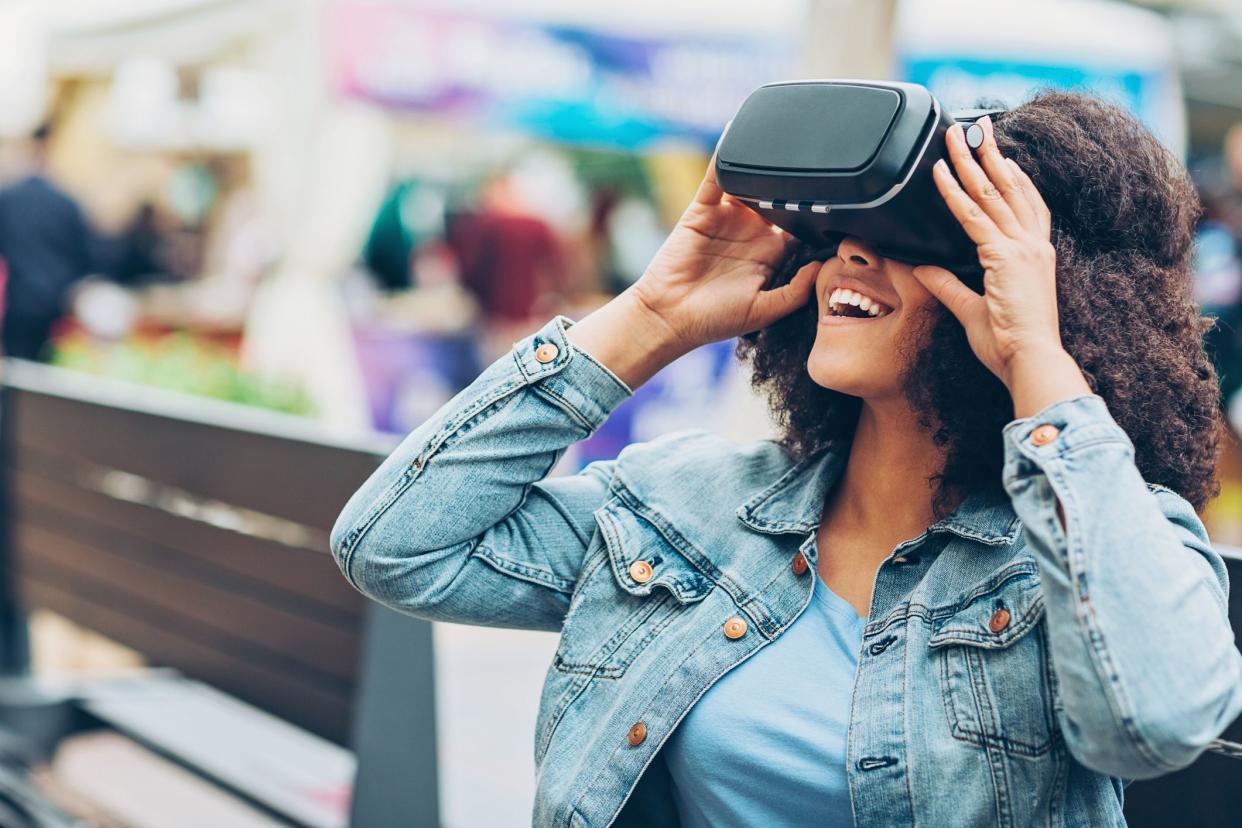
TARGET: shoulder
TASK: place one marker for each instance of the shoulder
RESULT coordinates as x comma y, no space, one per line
700,463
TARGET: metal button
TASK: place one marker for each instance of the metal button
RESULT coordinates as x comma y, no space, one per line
999,620
637,734
547,352
1045,434
641,571
798,565
735,628
974,136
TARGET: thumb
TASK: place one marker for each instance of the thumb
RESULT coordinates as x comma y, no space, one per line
709,192
961,301
771,305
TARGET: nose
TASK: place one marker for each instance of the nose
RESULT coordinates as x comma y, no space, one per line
855,251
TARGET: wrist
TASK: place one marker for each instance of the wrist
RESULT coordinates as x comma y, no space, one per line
627,338
1037,378
656,333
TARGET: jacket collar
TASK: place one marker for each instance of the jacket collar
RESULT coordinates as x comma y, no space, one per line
795,503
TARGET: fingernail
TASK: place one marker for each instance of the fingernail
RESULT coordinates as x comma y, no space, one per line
986,120
940,166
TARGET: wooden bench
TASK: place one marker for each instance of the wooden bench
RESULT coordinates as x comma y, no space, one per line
196,533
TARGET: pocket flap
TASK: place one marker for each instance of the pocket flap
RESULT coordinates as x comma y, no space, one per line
632,540
995,617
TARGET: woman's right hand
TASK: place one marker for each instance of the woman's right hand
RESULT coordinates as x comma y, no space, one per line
704,285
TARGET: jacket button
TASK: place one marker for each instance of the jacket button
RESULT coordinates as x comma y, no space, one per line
735,628
547,352
999,620
1045,434
637,734
641,571
798,565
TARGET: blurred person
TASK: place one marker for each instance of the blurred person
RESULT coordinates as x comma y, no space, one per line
46,245
510,260
967,586
1229,196
139,254
1218,290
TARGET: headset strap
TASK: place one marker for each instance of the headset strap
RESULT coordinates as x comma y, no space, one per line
971,115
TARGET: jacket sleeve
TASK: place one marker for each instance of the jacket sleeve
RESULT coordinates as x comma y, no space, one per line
459,524
1136,598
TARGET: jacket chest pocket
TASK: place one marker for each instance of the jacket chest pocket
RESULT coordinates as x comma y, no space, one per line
994,670
635,586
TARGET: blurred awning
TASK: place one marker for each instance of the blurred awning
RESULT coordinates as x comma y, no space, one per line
45,39
1208,35
91,38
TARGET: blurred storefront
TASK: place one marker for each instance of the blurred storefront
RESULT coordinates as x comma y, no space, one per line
537,181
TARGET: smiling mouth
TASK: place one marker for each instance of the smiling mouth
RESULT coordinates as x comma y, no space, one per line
851,303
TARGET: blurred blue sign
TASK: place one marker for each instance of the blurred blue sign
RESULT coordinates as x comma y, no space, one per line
959,81
566,83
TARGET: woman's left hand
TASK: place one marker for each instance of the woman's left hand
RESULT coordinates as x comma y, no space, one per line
1013,327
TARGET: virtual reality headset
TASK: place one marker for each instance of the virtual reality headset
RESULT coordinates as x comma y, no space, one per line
826,159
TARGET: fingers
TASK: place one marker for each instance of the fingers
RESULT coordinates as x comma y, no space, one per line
1031,193
968,306
1007,182
983,187
977,224
771,305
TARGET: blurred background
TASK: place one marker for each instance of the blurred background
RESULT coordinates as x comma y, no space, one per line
247,244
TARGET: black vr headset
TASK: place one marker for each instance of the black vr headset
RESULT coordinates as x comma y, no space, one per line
826,159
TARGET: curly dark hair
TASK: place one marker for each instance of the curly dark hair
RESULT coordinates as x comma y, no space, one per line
1124,214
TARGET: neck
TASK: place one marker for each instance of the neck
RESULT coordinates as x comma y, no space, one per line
886,485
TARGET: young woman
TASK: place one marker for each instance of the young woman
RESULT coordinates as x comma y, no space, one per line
967,587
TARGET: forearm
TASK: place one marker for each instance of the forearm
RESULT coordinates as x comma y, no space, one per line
1140,639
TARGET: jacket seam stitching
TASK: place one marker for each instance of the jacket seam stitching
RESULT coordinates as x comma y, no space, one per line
1109,677
560,401
534,574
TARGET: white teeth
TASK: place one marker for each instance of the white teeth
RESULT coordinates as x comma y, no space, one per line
843,296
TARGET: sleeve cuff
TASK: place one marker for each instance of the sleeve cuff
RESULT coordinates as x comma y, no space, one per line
568,373
1061,428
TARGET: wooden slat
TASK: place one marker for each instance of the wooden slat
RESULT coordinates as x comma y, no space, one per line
291,479
315,708
197,537
293,577
239,623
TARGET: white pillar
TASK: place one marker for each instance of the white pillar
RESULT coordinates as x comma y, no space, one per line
849,39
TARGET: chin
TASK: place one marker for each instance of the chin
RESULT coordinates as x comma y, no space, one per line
850,373
848,378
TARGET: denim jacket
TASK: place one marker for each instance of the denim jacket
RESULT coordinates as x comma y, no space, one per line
1012,672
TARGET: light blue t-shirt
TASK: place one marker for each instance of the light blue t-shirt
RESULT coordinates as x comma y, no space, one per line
765,745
